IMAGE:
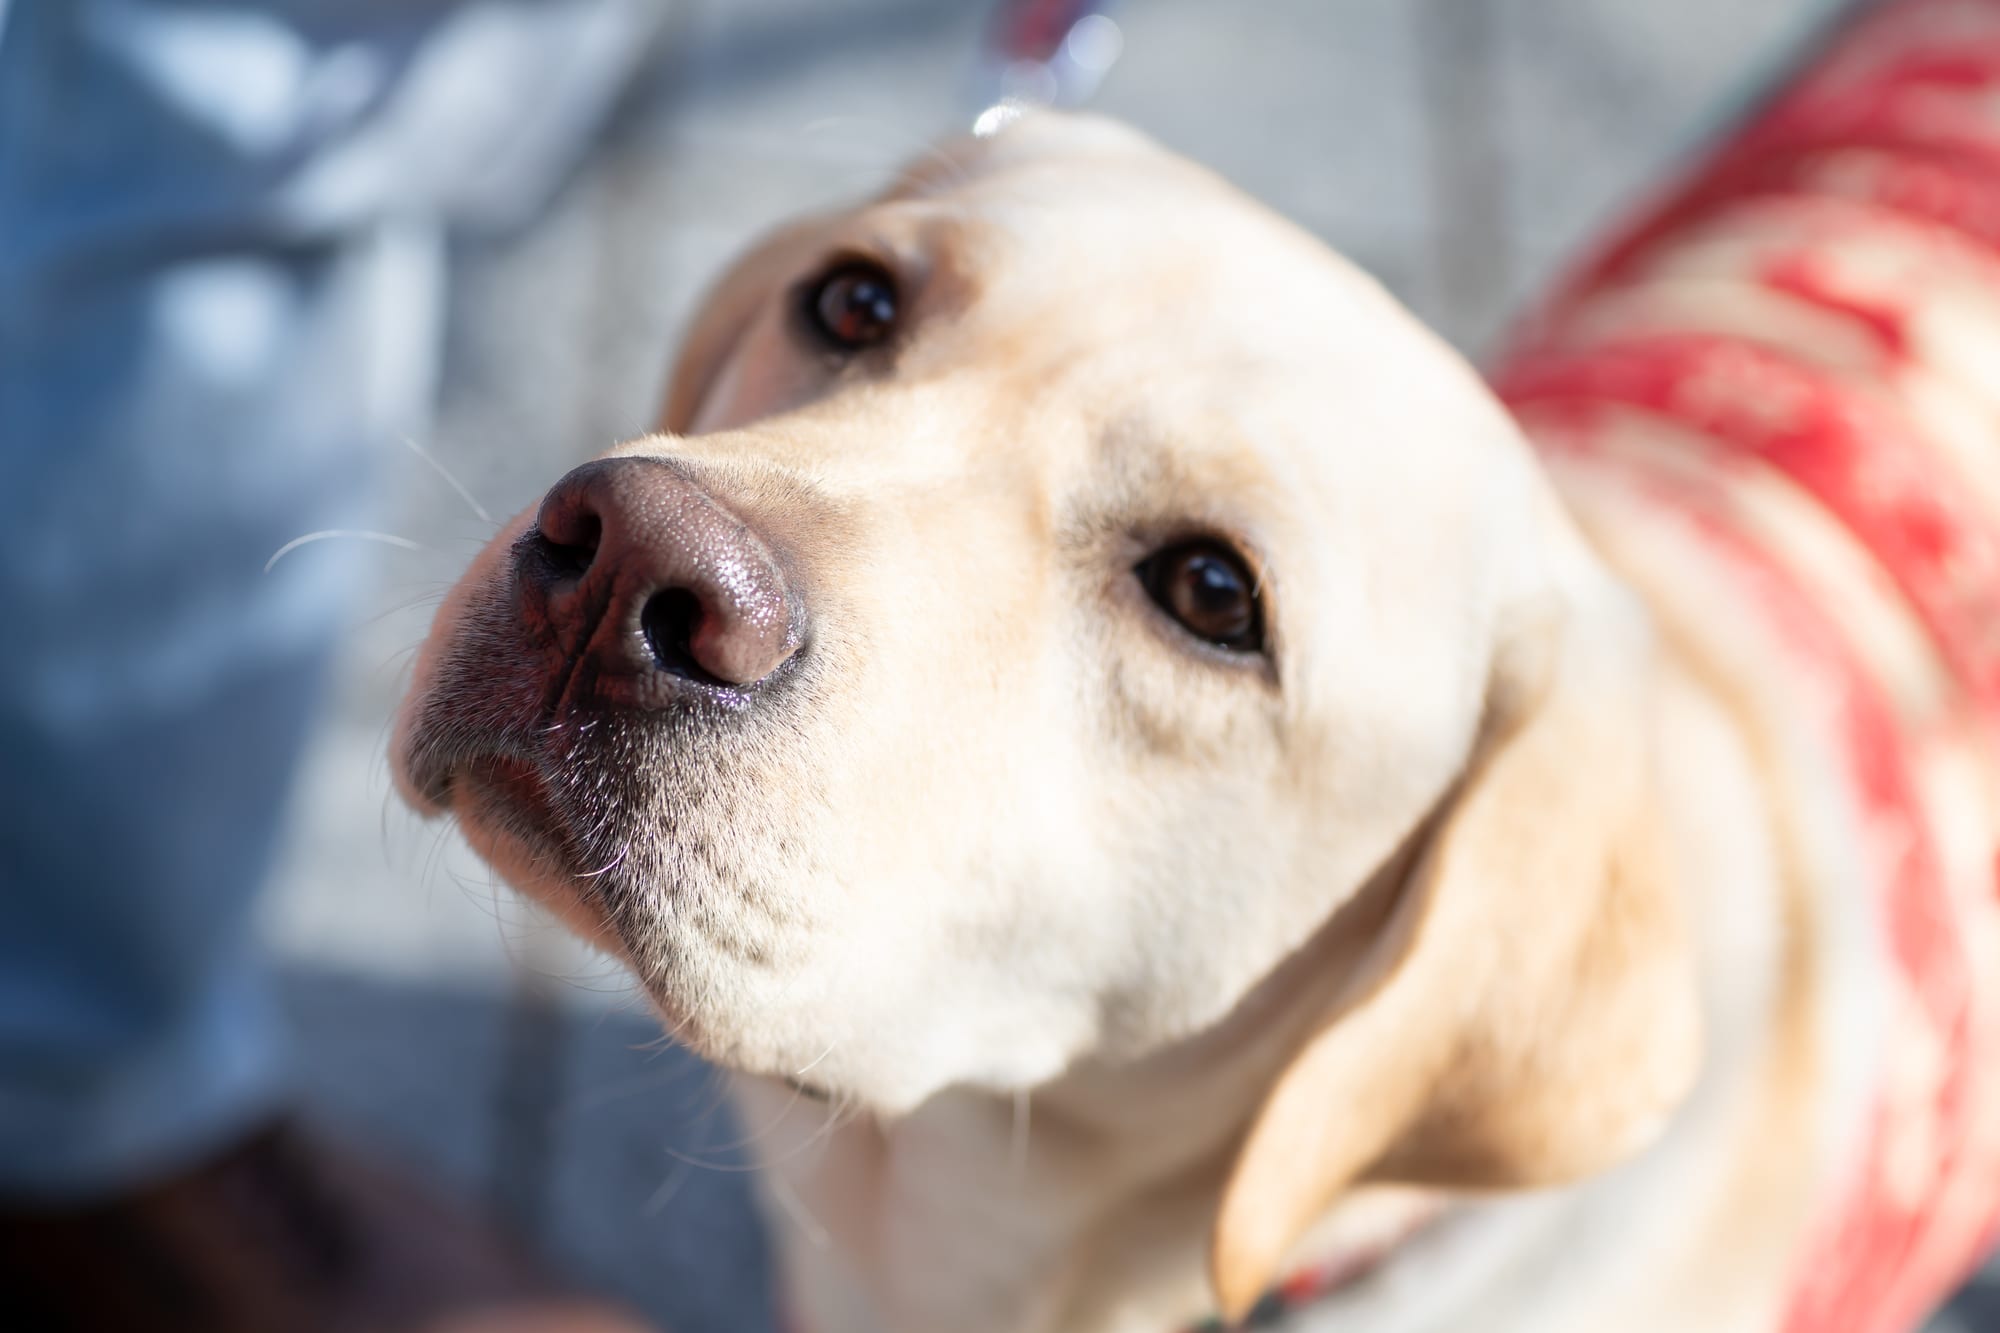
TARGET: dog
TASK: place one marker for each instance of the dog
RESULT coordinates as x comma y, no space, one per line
1239,824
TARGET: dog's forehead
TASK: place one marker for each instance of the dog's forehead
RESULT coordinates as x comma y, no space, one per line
1132,286
1079,244
1102,228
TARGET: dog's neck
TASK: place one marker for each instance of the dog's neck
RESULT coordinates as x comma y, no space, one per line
1089,1206
986,1214
1003,1213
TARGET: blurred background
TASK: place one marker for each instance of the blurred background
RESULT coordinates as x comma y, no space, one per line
1458,149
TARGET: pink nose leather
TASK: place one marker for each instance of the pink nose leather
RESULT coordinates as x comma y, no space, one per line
684,592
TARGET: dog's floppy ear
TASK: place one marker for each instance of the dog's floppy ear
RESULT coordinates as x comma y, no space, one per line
753,285
1529,1014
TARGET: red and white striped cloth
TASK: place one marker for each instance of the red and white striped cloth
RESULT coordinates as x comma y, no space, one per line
1814,314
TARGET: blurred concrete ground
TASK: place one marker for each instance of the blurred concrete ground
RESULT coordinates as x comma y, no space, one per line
1457,148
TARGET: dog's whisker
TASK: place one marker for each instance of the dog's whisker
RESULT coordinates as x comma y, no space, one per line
795,1208
615,862
388,800
813,1063
449,480
836,1115
602,983
757,1136
654,1045
354,534
422,599
710,1164
716,1088
841,1111
427,873
657,1201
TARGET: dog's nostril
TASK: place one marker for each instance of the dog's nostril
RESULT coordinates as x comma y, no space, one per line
669,620
571,550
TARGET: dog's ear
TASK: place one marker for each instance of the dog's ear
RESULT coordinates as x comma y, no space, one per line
1529,1015
728,311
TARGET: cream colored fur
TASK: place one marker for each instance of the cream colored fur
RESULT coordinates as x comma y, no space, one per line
1487,898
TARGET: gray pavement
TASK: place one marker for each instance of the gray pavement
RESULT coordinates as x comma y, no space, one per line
1457,148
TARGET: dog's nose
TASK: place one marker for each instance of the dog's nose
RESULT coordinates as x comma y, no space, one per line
683,589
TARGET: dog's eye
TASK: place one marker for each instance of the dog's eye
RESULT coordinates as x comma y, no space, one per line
1207,588
852,306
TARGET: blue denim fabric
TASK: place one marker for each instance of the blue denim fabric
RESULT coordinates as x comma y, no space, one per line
221,278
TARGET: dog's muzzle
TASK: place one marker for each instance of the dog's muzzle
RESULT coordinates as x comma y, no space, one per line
636,605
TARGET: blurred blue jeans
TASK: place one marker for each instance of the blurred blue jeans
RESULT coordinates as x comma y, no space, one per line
222,267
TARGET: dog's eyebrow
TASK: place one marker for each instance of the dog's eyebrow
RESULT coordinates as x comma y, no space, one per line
1150,477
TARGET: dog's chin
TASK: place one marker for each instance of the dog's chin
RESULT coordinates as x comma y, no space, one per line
510,820
505,813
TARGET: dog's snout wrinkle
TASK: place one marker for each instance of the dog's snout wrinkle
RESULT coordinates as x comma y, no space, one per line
647,580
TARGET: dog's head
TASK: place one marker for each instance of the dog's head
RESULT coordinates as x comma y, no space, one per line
1061,586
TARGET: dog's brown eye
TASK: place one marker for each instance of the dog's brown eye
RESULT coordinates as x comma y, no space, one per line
853,306
1207,588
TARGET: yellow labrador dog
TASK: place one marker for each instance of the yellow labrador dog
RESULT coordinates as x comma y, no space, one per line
1083,682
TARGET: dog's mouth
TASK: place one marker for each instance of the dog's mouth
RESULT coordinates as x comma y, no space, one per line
500,795
514,817
510,793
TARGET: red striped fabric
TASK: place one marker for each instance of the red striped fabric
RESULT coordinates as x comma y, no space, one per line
1863,201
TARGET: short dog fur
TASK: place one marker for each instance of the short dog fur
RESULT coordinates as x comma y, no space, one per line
1483,925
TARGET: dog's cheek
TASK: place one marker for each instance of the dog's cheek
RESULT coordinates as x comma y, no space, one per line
973,928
